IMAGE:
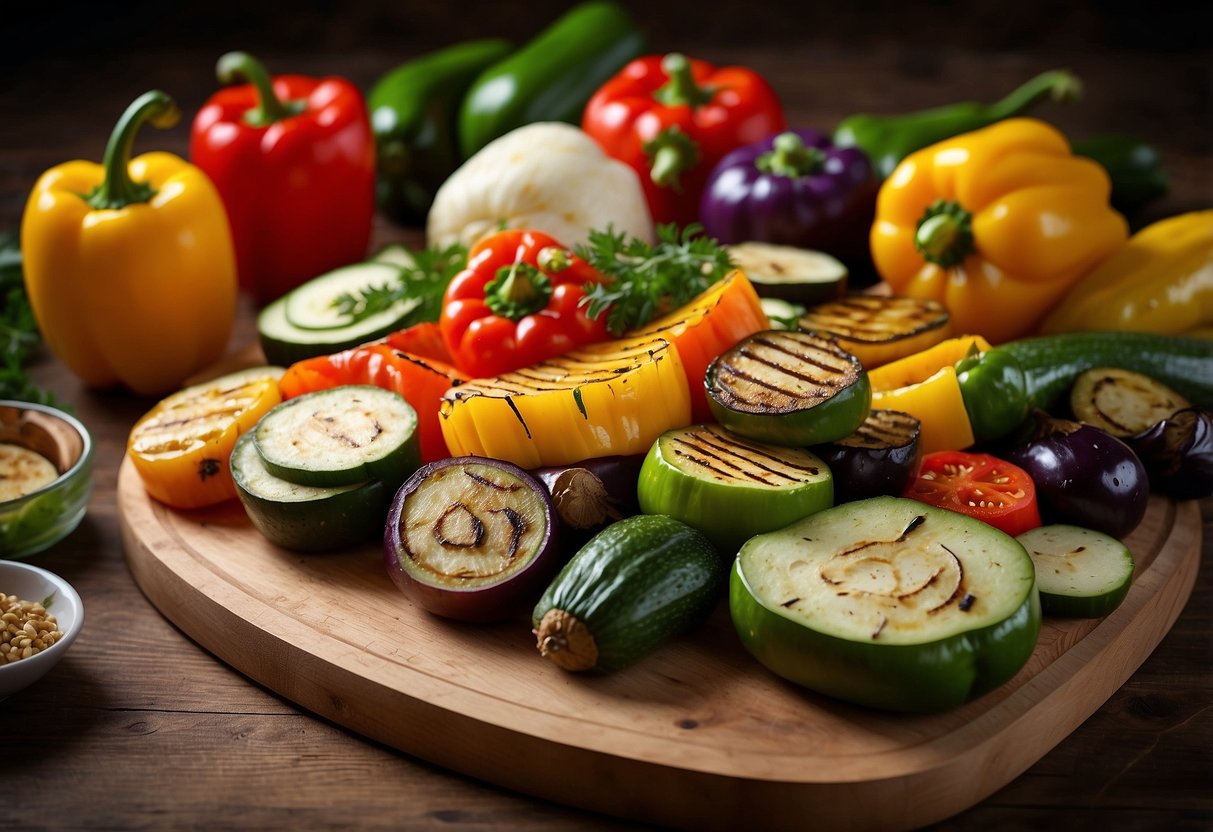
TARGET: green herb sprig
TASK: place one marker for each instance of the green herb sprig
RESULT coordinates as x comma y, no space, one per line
19,335
646,281
425,280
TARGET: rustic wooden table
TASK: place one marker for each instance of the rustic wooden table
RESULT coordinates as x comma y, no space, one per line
140,728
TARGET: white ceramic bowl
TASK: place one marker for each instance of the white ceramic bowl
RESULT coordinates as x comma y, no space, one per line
33,583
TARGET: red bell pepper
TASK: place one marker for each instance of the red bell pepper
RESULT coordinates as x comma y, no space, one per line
293,158
517,303
672,118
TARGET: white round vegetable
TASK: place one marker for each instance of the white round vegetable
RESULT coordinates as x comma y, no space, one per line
545,176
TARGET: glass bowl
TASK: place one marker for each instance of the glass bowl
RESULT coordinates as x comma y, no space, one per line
33,583
33,522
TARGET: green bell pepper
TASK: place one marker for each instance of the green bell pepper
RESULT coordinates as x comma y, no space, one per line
552,76
888,139
994,390
414,111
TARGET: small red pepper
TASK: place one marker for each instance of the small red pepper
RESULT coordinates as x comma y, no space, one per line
293,158
672,118
517,303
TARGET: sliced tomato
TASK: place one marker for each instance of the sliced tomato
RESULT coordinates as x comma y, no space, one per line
979,485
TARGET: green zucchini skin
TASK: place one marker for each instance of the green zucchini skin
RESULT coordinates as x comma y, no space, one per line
1052,362
552,76
635,585
1058,594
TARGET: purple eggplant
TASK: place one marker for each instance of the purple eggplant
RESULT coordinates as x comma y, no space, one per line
471,538
879,458
594,492
794,188
1178,453
1084,475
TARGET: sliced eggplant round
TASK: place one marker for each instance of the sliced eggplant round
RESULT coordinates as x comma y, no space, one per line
471,538
1122,402
880,328
880,458
789,273
731,488
790,387
1080,572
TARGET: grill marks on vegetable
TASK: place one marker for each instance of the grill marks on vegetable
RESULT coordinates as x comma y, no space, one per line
712,450
874,320
779,372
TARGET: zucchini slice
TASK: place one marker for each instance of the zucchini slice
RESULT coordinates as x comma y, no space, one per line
788,387
340,436
1081,573
888,603
878,329
880,458
1122,402
728,487
305,518
788,273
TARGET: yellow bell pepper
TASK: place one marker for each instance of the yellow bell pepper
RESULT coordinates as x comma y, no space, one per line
997,224
1160,281
615,397
925,386
181,447
129,265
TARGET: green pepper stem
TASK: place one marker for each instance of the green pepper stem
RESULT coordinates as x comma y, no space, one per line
117,189
790,157
517,290
1057,84
944,235
672,152
270,108
681,88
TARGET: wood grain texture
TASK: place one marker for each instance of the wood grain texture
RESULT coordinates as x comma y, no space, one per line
699,720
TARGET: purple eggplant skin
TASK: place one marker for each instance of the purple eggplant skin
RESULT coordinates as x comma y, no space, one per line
871,462
593,493
824,199
1178,453
512,595
1084,476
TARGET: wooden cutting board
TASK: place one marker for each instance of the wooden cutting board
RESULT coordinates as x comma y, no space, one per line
697,735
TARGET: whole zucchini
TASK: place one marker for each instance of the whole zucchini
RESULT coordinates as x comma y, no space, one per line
634,586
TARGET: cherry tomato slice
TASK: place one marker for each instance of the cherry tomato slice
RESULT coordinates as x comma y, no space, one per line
980,485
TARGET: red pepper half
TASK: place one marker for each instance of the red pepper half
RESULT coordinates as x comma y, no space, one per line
672,118
979,485
517,303
293,158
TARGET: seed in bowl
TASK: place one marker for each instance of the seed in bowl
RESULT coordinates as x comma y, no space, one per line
28,628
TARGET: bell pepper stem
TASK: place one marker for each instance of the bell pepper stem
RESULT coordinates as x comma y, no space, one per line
118,189
517,290
270,108
672,152
1057,84
790,157
681,88
944,235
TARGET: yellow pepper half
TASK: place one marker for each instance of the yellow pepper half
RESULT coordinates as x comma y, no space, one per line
925,386
129,265
996,224
1160,281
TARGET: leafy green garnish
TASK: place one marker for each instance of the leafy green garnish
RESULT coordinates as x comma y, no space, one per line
646,281
426,279
19,335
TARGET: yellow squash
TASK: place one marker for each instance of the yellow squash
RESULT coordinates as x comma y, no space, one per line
997,224
129,266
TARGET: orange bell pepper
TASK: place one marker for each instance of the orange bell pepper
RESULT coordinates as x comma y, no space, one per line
997,224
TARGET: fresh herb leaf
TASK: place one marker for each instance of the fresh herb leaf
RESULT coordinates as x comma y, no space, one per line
646,281
19,335
426,279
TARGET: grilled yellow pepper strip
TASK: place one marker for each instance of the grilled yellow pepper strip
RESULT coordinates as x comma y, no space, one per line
996,224
925,386
1160,281
611,398
129,265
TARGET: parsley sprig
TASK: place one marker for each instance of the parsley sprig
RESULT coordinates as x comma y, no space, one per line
19,335
425,279
646,281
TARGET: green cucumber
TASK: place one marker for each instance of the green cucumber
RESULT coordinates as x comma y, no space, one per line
888,603
634,586
305,322
340,436
1081,573
305,518
728,487
1051,363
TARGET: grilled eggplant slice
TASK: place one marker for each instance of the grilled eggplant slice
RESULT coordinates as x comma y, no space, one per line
878,329
789,387
1122,402
879,458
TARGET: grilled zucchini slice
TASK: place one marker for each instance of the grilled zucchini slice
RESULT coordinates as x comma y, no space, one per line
878,329
1122,402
